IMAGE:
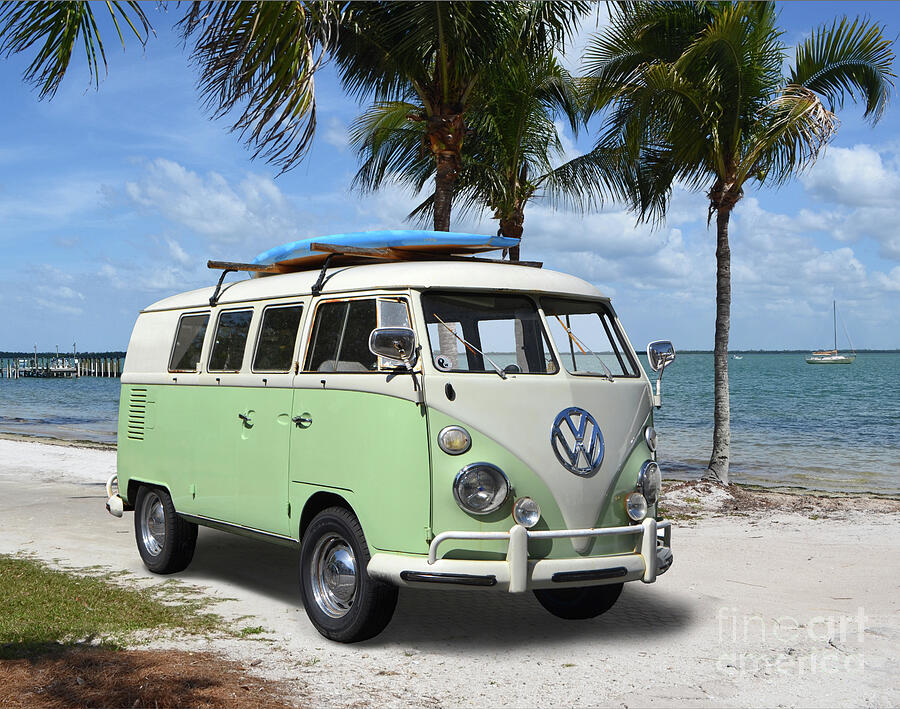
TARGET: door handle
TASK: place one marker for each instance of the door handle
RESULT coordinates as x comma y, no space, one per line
245,420
303,421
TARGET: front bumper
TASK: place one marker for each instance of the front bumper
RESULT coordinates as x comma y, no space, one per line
652,556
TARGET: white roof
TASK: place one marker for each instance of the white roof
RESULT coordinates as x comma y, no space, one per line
402,275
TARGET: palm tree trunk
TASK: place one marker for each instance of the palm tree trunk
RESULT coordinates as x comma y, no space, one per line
444,180
718,461
446,130
513,226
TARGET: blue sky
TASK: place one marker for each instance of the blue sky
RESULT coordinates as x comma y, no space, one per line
112,199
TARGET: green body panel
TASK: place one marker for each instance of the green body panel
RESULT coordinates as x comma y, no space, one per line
447,515
212,464
372,449
373,445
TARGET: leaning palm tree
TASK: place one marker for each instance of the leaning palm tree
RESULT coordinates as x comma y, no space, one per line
512,152
425,63
697,95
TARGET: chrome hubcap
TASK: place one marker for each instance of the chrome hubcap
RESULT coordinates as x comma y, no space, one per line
333,574
153,524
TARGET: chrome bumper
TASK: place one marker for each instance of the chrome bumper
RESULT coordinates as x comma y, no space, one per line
652,556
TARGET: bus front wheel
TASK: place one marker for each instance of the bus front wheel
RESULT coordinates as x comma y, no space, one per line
342,601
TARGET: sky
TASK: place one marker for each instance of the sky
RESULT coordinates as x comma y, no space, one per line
111,199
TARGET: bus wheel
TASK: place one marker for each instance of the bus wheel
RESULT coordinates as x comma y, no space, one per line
579,603
340,598
165,540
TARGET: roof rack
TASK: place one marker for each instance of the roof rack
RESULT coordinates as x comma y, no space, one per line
349,256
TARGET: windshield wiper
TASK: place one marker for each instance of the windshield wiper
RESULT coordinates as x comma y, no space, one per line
585,349
470,346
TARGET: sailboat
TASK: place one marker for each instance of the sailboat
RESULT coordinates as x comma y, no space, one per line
832,356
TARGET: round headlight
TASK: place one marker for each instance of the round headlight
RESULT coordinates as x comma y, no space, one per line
636,506
526,512
480,488
454,440
650,437
650,481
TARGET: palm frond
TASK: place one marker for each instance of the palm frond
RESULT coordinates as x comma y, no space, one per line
847,59
260,59
389,139
792,131
56,27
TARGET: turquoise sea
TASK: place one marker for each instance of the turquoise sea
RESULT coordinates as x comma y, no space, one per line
820,427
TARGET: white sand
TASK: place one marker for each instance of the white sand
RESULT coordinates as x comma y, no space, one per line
770,608
33,460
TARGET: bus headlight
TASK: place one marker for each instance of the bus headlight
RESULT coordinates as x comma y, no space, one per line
636,506
480,488
454,440
650,481
526,512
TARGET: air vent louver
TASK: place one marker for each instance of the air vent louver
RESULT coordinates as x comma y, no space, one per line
137,414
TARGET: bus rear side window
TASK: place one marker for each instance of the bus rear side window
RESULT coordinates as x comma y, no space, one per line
188,343
277,338
231,339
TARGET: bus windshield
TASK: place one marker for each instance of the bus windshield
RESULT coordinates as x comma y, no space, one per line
474,332
587,338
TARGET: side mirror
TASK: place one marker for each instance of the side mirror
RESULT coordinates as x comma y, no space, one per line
394,343
660,354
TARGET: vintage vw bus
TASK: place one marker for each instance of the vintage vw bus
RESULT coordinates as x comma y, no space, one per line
424,423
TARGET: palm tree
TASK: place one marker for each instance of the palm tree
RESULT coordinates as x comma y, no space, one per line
511,148
697,95
424,63
259,59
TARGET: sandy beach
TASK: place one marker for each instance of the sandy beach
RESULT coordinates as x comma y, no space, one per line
774,599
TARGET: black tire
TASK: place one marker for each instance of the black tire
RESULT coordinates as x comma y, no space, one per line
579,603
346,607
165,540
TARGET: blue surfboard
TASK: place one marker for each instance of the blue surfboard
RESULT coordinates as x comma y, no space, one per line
298,255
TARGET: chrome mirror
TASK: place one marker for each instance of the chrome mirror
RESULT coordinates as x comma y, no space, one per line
660,354
397,343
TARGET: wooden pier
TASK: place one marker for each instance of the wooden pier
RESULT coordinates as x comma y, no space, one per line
56,368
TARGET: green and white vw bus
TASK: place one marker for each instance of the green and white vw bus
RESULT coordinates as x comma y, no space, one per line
422,423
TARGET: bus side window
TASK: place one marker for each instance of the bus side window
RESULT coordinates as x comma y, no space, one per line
340,339
188,343
277,338
231,340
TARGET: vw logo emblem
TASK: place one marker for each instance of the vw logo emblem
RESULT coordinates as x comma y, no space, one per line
577,441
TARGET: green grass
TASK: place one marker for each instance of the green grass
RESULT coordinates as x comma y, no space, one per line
252,630
42,607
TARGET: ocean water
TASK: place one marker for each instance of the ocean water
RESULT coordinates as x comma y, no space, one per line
823,427
86,408
826,427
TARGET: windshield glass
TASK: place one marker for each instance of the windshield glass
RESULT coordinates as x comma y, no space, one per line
467,331
587,339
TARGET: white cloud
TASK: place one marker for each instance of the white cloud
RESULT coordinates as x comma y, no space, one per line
210,206
178,253
335,134
852,177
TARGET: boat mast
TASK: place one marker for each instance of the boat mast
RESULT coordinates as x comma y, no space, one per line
834,314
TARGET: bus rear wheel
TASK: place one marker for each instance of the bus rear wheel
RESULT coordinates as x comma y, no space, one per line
579,603
165,540
342,601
